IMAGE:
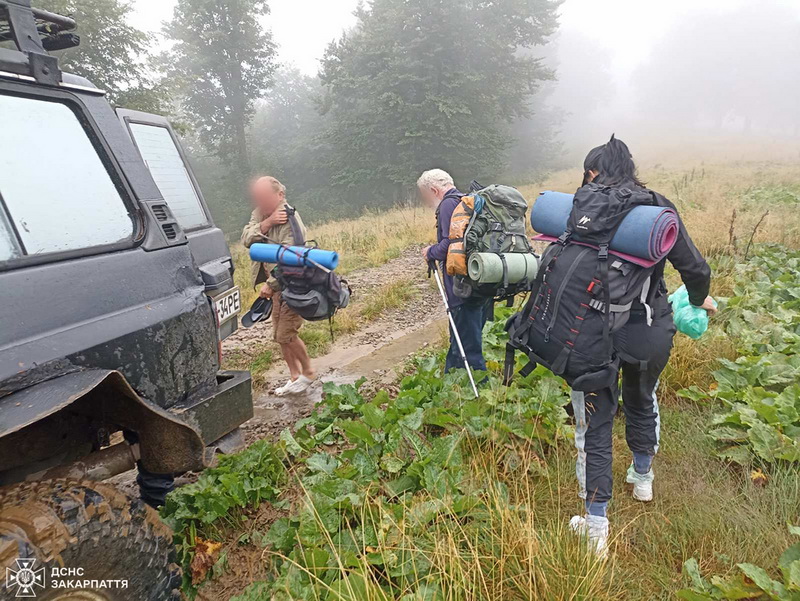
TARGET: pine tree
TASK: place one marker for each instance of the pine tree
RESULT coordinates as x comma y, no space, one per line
430,83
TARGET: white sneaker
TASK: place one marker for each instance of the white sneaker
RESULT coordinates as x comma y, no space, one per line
281,390
595,529
642,484
301,384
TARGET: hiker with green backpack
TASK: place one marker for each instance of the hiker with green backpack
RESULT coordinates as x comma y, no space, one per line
437,191
484,246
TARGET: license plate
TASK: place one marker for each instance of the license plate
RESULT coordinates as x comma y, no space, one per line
228,305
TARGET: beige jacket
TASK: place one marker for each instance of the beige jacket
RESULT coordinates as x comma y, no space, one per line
281,234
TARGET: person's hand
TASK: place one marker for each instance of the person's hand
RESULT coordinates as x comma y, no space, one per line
709,305
266,291
425,253
277,218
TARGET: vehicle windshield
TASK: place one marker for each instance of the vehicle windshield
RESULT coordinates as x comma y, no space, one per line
56,194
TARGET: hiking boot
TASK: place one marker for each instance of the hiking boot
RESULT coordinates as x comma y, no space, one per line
595,529
642,484
301,384
282,390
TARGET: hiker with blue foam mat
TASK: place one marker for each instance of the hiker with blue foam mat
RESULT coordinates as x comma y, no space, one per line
273,220
595,312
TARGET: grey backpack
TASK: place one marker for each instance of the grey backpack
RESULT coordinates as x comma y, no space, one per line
311,291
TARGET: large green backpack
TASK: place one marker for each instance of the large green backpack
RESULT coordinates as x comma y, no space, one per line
498,227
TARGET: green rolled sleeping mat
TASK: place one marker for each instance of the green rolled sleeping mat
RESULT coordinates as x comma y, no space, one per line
487,268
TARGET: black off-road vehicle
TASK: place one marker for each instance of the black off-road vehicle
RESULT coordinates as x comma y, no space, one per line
116,289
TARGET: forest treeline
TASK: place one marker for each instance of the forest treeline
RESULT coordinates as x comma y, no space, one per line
412,85
478,87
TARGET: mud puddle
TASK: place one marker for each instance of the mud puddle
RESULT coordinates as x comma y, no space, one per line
341,366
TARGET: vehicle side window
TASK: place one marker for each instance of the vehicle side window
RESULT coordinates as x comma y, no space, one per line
9,248
166,165
53,184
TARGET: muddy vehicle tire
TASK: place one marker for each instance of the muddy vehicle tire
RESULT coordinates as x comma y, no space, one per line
90,527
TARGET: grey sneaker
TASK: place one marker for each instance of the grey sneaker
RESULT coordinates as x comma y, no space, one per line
595,529
642,484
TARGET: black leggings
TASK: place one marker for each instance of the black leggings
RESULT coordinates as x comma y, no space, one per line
594,411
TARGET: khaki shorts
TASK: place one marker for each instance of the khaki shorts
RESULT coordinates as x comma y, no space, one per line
285,322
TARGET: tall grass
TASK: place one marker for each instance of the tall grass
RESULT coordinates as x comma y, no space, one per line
706,196
720,204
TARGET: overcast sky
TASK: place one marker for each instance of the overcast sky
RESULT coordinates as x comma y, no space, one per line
628,28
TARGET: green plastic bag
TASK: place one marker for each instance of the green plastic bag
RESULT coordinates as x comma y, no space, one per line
690,320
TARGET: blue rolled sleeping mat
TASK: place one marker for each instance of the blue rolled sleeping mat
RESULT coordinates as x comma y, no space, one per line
293,256
646,235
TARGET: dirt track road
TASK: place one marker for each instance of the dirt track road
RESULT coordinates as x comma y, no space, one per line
372,351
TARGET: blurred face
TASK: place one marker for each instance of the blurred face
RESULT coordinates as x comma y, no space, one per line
264,197
431,197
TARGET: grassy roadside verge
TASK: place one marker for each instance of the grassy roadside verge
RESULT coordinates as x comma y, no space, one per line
430,495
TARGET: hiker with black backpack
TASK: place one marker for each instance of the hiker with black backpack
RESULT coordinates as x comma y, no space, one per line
595,312
437,191
274,221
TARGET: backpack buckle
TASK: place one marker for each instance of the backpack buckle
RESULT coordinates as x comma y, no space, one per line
564,238
602,254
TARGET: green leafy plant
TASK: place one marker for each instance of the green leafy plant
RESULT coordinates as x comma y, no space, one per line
760,390
751,581
384,479
246,479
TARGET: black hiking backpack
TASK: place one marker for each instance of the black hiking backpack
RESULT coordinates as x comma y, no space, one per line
313,292
582,294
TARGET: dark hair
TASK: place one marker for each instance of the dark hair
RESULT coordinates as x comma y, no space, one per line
614,164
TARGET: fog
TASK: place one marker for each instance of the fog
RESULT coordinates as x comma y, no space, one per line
357,103
682,75
660,74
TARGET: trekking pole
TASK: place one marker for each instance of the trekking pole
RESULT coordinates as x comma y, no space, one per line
432,269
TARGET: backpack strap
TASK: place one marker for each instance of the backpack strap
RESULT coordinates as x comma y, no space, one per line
297,232
600,306
602,257
505,270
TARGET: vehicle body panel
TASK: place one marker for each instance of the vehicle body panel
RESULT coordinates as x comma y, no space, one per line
135,318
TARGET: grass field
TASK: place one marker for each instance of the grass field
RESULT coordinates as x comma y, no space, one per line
426,495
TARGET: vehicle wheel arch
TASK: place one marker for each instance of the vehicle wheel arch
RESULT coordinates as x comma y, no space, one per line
58,415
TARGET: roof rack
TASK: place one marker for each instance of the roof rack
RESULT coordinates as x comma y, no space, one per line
34,32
